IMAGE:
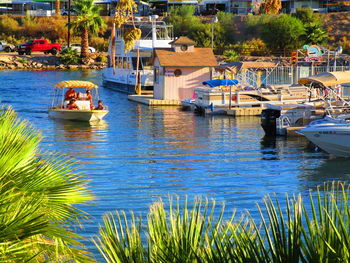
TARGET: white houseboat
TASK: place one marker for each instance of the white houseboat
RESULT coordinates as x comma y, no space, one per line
123,76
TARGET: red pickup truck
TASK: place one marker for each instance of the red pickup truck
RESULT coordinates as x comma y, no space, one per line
38,45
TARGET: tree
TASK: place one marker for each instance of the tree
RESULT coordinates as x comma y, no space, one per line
271,7
37,196
314,34
88,21
314,30
283,32
186,23
58,7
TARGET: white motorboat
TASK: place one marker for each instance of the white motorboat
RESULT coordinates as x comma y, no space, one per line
124,75
330,134
84,110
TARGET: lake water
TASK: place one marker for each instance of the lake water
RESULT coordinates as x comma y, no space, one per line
141,153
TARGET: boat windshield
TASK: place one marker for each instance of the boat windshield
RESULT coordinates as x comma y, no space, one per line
163,31
145,63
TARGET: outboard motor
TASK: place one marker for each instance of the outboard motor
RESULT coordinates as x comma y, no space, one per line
268,120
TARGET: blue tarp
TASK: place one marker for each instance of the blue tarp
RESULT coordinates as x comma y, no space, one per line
220,82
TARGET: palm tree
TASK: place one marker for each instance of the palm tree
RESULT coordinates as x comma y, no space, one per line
58,7
88,20
37,194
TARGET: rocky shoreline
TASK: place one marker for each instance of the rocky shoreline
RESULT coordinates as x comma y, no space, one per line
39,61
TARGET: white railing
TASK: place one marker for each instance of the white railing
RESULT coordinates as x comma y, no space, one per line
283,75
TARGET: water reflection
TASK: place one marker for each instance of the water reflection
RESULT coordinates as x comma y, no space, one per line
80,136
279,147
330,169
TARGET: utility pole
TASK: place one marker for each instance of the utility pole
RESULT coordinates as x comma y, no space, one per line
68,40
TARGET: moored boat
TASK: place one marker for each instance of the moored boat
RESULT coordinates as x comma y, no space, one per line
329,99
83,109
331,135
128,70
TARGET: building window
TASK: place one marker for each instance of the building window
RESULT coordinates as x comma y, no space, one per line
177,72
183,47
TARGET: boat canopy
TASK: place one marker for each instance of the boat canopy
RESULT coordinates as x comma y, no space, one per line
327,78
220,82
76,84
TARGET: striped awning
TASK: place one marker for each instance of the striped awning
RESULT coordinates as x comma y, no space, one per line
76,84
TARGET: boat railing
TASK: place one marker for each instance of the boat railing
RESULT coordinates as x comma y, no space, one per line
163,31
282,123
336,110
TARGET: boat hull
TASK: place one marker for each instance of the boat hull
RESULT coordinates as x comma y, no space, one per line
77,115
123,80
124,88
332,138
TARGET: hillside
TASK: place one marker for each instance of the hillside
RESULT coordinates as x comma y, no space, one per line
336,24
338,27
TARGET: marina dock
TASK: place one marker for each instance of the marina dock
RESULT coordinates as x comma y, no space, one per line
150,101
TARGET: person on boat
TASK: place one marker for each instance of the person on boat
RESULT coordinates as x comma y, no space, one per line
70,94
89,98
100,106
72,105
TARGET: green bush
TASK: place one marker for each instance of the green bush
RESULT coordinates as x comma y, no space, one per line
69,57
254,26
283,32
231,56
187,24
102,59
315,32
307,16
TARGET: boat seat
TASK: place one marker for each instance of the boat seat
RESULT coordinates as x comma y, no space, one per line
82,104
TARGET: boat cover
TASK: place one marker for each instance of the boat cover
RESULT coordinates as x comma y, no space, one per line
220,82
327,78
76,84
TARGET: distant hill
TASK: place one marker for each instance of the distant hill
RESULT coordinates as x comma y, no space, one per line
338,27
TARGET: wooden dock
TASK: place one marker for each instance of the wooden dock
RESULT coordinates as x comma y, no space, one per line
245,111
150,101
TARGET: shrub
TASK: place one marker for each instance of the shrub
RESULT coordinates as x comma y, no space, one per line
69,57
283,32
254,25
307,16
314,34
99,43
231,56
316,231
256,47
8,25
102,59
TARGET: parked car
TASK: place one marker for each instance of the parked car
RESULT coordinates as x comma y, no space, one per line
38,45
4,46
77,48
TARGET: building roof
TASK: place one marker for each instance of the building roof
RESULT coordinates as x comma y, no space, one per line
183,40
200,57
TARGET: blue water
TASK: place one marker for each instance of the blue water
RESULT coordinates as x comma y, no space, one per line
140,153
